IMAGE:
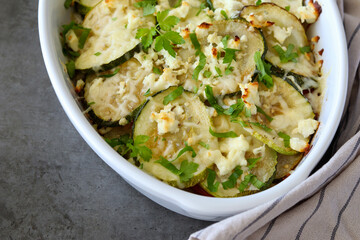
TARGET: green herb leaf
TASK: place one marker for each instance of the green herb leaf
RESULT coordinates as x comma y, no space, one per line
163,42
207,74
184,150
242,123
111,74
224,40
264,71
231,182
140,150
212,100
68,3
235,109
245,183
258,2
252,162
305,49
287,8
120,143
286,139
218,70
70,68
202,7
187,170
247,112
97,54
173,95
287,56
266,128
200,66
83,37
146,36
210,5
212,185
229,70
230,55
147,5
174,37
259,109
204,145
147,93
168,165
166,22
257,183
178,4
157,70
230,134
195,41
224,14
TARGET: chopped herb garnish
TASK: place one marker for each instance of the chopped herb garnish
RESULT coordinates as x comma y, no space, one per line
305,49
205,145
287,8
229,70
196,89
68,3
115,18
266,128
258,2
147,93
264,71
146,36
212,184
156,138
157,70
230,134
91,103
178,4
147,5
168,165
230,55
207,74
111,74
218,70
164,42
166,22
186,171
210,5
163,139
83,35
138,149
97,54
241,122
195,41
244,184
252,162
231,182
224,14
257,183
235,109
120,143
126,26
212,100
247,112
259,109
286,139
200,66
141,166
288,55
173,95
70,68
224,40
184,150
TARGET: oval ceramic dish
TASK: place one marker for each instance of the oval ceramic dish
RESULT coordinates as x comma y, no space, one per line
52,15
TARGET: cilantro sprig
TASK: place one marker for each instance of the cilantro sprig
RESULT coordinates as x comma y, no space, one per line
166,38
264,71
288,55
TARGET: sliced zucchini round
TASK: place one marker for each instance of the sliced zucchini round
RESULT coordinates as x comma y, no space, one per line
184,122
115,98
112,24
264,168
84,6
288,110
286,164
290,5
282,30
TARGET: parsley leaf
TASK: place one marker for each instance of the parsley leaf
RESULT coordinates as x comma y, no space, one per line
218,70
184,150
195,41
70,68
229,70
147,5
97,54
224,14
120,143
178,4
286,139
241,122
305,49
84,32
230,134
138,149
168,165
68,3
157,70
287,8
235,109
287,56
230,55
207,74
264,71
166,22
252,162
212,100
210,5
187,170
111,74
173,95
264,127
231,182
212,185
204,145
147,93
163,42
146,36
259,109
200,66
224,40
250,178
258,2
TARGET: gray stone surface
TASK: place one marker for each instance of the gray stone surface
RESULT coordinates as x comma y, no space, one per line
52,185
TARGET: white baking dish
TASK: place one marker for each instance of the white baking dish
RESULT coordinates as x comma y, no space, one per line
332,38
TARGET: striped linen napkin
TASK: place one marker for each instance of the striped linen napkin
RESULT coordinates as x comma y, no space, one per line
332,194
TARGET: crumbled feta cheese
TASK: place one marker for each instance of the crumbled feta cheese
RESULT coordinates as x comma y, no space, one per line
306,127
166,80
259,150
250,96
308,13
298,144
280,34
166,121
182,11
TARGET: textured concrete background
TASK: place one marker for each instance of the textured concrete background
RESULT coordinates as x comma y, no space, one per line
52,185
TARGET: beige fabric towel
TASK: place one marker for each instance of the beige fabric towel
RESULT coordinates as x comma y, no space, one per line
330,210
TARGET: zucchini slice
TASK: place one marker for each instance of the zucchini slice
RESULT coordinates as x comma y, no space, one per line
286,164
291,5
84,6
292,116
282,30
220,40
183,122
115,98
112,24
264,168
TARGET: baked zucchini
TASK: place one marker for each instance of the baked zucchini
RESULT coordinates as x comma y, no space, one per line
286,164
114,99
181,124
112,24
285,36
290,5
286,119
84,6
